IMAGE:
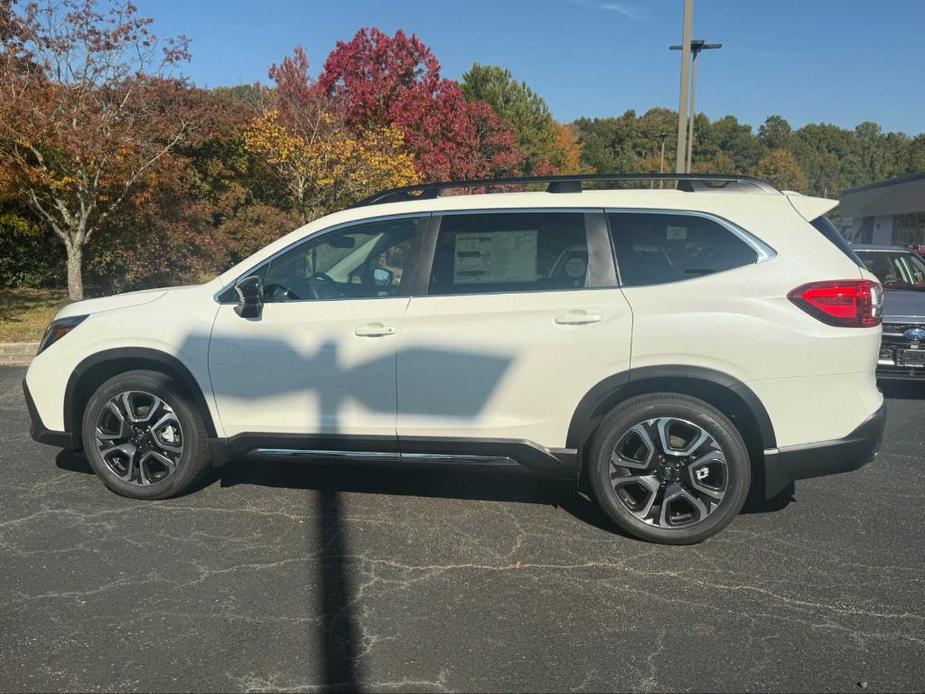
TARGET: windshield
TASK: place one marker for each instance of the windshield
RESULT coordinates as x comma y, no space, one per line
895,269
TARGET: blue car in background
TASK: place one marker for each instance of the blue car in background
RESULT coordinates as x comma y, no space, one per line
902,274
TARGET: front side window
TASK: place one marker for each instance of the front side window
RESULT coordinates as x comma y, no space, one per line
362,261
658,248
510,252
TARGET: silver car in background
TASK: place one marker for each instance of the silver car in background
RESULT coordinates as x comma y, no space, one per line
902,274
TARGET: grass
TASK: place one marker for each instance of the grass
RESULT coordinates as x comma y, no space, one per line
25,313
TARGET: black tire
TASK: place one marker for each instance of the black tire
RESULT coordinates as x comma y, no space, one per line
625,508
190,464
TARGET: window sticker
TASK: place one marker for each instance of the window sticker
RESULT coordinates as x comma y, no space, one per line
495,256
677,233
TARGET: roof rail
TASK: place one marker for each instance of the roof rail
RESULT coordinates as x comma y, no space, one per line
689,183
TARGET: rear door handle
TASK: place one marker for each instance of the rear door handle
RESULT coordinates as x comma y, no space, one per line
578,317
374,330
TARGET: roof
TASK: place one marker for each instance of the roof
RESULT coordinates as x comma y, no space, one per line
901,195
888,182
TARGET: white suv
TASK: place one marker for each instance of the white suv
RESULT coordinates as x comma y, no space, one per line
671,349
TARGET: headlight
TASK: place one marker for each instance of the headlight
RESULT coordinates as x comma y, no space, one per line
58,329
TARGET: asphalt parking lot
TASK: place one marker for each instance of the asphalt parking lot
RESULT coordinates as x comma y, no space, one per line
282,575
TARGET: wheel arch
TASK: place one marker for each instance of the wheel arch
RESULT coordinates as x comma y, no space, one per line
728,394
97,368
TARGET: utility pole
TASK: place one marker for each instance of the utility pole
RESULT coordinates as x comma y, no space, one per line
683,107
695,47
693,112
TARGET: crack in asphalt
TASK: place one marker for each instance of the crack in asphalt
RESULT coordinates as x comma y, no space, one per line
463,581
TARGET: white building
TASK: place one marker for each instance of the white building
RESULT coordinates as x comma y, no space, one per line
889,212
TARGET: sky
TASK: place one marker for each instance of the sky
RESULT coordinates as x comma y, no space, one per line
834,61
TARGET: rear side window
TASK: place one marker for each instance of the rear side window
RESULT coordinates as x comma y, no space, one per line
827,229
510,252
657,248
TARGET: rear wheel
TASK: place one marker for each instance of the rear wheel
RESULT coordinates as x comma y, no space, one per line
144,437
669,468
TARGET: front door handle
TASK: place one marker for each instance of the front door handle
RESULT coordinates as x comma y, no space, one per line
374,330
578,317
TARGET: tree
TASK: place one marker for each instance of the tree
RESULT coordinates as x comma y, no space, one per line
323,165
566,155
829,157
181,211
736,140
609,144
378,80
775,132
519,107
80,124
780,168
916,154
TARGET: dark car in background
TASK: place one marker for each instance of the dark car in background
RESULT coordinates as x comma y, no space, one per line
902,274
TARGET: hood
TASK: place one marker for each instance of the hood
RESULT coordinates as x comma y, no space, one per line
903,306
108,303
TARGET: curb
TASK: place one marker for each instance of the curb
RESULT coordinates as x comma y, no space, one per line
17,353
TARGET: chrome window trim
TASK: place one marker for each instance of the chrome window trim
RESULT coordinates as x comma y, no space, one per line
312,237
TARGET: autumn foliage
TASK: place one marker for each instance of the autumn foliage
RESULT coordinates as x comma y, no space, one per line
81,128
323,163
378,80
137,177
143,178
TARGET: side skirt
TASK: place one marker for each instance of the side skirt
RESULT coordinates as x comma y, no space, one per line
556,462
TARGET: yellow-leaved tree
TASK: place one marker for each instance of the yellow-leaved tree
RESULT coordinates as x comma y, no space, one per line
324,166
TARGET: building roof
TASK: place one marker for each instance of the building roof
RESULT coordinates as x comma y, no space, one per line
894,196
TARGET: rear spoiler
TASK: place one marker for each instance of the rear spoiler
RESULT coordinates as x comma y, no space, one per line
808,207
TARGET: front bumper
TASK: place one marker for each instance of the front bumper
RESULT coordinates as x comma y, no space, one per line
38,431
791,463
899,357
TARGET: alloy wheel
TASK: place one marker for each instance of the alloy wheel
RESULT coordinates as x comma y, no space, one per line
139,438
669,472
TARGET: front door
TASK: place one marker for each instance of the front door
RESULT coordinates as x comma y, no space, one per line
320,359
521,318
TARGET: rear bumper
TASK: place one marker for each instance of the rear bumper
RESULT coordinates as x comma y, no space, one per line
38,431
791,463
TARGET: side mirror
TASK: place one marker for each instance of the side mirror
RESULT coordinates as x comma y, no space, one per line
382,277
250,297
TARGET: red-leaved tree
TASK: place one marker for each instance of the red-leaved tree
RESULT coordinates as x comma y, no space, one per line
376,80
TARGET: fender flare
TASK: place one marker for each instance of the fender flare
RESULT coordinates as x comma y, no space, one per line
169,363
626,384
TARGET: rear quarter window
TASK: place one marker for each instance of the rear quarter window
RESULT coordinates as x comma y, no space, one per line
657,248
827,229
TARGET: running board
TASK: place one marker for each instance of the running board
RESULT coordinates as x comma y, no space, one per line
560,462
388,457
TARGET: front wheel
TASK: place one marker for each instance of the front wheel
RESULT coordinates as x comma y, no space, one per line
144,437
669,468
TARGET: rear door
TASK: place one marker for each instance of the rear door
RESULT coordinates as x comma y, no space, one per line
517,316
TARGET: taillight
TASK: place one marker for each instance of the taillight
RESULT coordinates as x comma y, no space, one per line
847,303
